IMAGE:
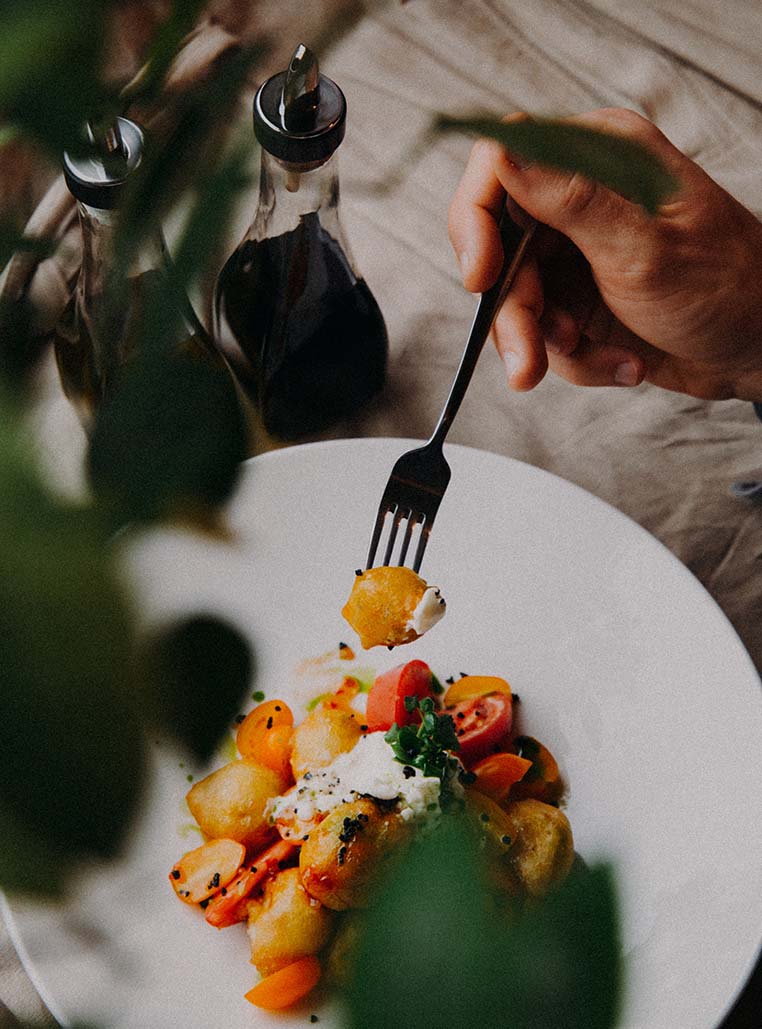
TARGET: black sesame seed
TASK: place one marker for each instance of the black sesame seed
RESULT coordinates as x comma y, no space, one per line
450,679
270,722
341,855
358,571
343,646
363,728
305,838
484,816
224,892
203,904
175,873
408,771
506,840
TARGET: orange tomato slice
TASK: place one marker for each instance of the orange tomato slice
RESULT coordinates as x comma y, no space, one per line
496,774
541,782
285,987
470,686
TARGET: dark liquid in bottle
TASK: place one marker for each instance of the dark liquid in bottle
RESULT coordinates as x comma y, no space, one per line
311,340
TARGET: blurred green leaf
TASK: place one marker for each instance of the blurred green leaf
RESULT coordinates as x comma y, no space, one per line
618,163
50,60
12,242
30,862
72,743
206,226
196,674
461,959
20,348
171,164
169,440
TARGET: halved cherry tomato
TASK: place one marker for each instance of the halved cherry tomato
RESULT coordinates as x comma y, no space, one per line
252,729
386,700
496,773
543,780
229,906
480,725
469,686
275,750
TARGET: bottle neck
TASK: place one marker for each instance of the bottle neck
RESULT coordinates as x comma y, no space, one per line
289,192
99,231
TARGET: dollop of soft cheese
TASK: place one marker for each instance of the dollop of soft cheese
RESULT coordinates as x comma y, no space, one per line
429,610
370,768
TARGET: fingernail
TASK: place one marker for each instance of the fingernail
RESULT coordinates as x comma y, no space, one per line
626,374
511,363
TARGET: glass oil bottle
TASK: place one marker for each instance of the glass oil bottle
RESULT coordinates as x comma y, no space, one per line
293,316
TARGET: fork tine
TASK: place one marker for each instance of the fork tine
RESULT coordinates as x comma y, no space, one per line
383,511
412,521
398,515
422,541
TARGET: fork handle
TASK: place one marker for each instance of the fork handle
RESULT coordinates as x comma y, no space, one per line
515,240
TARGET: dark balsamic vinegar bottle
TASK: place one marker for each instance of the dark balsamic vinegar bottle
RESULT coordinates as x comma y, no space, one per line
292,315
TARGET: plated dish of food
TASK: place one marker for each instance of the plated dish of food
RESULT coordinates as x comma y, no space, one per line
627,673
300,826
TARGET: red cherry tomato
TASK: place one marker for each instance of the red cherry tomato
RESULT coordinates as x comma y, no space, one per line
481,724
386,700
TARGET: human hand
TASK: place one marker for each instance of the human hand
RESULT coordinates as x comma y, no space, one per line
613,295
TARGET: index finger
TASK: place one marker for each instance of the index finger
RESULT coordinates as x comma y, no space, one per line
473,215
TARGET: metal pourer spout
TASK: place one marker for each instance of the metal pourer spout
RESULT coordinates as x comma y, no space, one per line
106,137
300,99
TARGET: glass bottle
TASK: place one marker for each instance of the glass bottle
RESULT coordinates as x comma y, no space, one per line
97,335
293,316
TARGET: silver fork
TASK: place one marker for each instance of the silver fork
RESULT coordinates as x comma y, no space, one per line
420,477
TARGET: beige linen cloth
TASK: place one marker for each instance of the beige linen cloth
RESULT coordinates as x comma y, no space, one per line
665,460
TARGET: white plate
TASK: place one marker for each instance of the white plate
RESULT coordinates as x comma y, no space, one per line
625,666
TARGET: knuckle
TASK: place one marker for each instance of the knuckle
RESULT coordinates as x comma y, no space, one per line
578,194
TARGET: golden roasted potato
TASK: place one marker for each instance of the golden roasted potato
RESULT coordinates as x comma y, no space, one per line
324,734
286,924
381,605
533,840
542,851
230,802
344,855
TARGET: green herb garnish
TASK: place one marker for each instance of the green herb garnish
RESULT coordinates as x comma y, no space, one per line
427,745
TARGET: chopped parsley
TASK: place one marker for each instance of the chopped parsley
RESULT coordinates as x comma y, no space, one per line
258,695
427,746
